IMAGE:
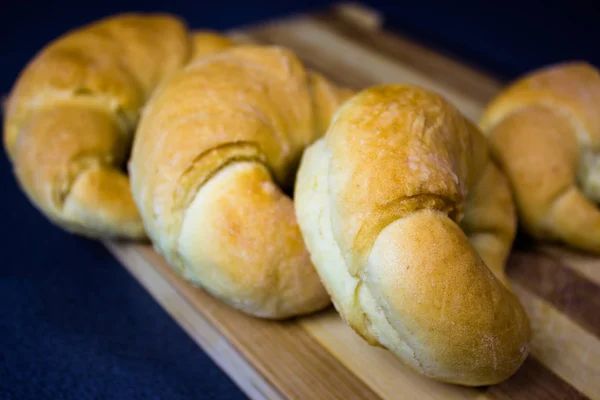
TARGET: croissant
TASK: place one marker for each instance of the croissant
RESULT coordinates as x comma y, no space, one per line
545,130
408,222
216,150
71,116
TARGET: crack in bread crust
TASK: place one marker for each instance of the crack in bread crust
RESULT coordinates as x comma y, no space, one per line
216,147
382,216
85,90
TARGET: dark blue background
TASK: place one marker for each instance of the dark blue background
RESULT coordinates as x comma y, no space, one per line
73,323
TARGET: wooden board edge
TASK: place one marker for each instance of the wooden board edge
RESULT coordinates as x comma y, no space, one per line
264,346
413,54
221,351
360,15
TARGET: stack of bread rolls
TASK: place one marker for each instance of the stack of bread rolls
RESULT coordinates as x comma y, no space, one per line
217,132
402,214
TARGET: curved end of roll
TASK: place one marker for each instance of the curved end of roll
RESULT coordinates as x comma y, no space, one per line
100,205
240,241
575,220
493,252
449,317
589,175
65,160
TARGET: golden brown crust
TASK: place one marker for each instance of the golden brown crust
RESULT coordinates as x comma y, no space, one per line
205,43
73,178
545,130
214,146
326,99
71,117
401,207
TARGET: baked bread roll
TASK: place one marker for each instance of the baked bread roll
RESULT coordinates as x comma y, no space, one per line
205,43
216,149
71,117
545,130
408,223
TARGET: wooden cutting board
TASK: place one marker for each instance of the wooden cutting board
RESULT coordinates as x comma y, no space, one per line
319,357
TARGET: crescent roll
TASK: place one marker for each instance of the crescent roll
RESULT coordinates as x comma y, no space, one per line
72,114
409,223
216,150
545,130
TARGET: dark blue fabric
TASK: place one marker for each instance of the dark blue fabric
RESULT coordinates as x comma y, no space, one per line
507,38
73,323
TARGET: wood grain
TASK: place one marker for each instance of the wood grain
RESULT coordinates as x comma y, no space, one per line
386,375
206,335
319,356
561,345
583,264
534,381
564,288
267,345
